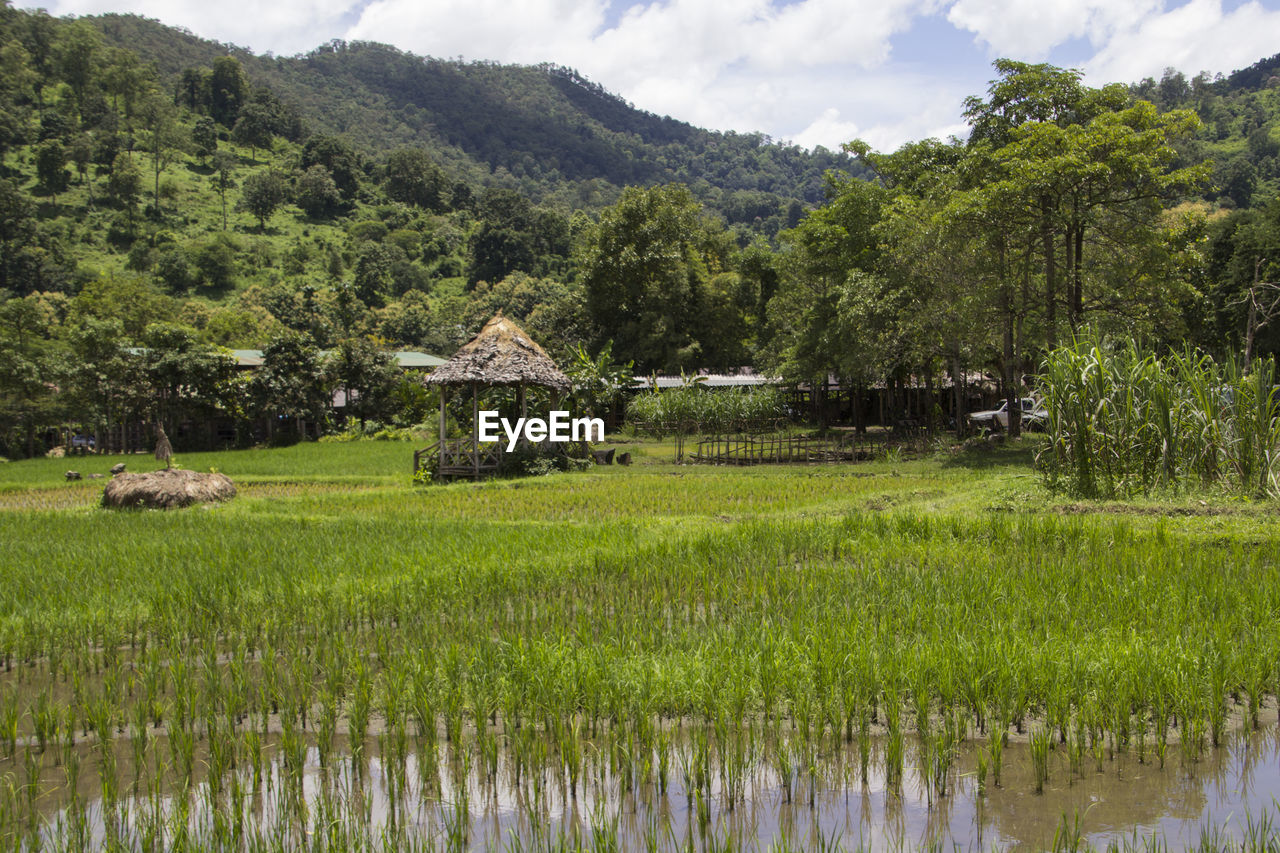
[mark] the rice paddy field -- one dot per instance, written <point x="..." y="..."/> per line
<point x="895" y="654"/>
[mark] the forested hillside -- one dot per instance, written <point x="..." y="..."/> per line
<point x="545" y="130"/>
<point x="164" y="194"/>
<point x="1239" y="135"/>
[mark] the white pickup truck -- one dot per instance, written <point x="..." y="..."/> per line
<point x="1033" y="415"/>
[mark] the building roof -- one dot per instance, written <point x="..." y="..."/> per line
<point x="410" y="360"/>
<point x="247" y="357"/>
<point x="742" y="379"/>
<point x="501" y="354"/>
<point x="405" y="359"/>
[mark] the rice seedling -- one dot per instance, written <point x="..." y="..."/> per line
<point x="996" y="740"/>
<point x="1041" y="743"/>
<point x="649" y="646"/>
<point x="46" y="718"/>
<point x="9" y="715"/>
<point x="894" y="752"/>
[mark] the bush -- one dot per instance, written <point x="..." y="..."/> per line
<point x="374" y="431"/>
<point x="529" y="461"/>
<point x="172" y="268"/>
<point x="695" y="409"/>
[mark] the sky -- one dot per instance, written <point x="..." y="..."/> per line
<point x="811" y="72"/>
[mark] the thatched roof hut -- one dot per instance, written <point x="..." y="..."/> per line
<point x="501" y="354"/>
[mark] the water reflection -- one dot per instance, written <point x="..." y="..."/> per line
<point x="465" y="797"/>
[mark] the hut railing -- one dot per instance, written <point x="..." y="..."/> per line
<point x="425" y="458"/>
<point x="459" y="457"/>
<point x="462" y="457"/>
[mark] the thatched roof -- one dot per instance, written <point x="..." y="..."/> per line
<point x="502" y="354"/>
<point x="172" y="487"/>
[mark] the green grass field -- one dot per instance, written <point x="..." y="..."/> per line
<point x="947" y="599"/>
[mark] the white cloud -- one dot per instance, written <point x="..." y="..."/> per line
<point x="531" y="31"/>
<point x="934" y="114"/>
<point x="282" y="27"/>
<point x="1198" y="36"/>
<point x="827" y="130"/>
<point x="726" y="64"/>
<point x="1029" y="29"/>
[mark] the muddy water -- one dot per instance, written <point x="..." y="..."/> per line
<point x="1108" y="798"/>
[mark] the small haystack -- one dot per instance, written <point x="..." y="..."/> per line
<point x="172" y="487"/>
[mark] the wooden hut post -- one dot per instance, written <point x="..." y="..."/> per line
<point x="444" y="392"/>
<point x="475" y="429"/>
<point x="524" y="409"/>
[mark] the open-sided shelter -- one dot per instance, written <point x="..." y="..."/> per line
<point x="502" y="354"/>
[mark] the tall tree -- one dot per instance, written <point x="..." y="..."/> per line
<point x="368" y="375"/>
<point x="644" y="269"/>
<point x="165" y="137"/>
<point x="413" y="178"/>
<point x="17" y="229"/>
<point x="262" y="195"/>
<point x="223" y="179"/>
<point x="185" y="377"/>
<point x="294" y="381"/>
<point x="125" y="182"/>
<point x="228" y="90"/>
<point x="30" y="371"/>
<point x="77" y="45"/>
<point x="807" y="342"/>
<point x="254" y="128"/>
<point x="51" y="163"/>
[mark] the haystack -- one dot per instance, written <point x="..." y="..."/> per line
<point x="172" y="487"/>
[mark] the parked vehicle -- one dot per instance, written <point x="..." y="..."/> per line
<point x="1033" y="415"/>
<point x="83" y="442"/>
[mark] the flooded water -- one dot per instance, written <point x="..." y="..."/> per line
<point x="753" y="794"/>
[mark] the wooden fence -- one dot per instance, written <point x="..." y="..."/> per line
<point x="776" y="449"/>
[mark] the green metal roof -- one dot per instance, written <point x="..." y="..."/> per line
<point x="409" y="359"/>
<point x="247" y="357"/>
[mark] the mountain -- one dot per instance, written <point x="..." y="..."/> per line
<point x="536" y="128"/>
<point x="1240" y="132"/>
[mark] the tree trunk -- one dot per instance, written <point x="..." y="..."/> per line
<point x="931" y="402"/>
<point x="1011" y="390"/>
<point x="1077" y="289"/>
<point x="1050" y="277"/>
<point x="1251" y="320"/>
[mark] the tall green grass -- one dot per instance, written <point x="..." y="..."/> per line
<point x="1125" y="422"/>
<point x="694" y="408"/>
